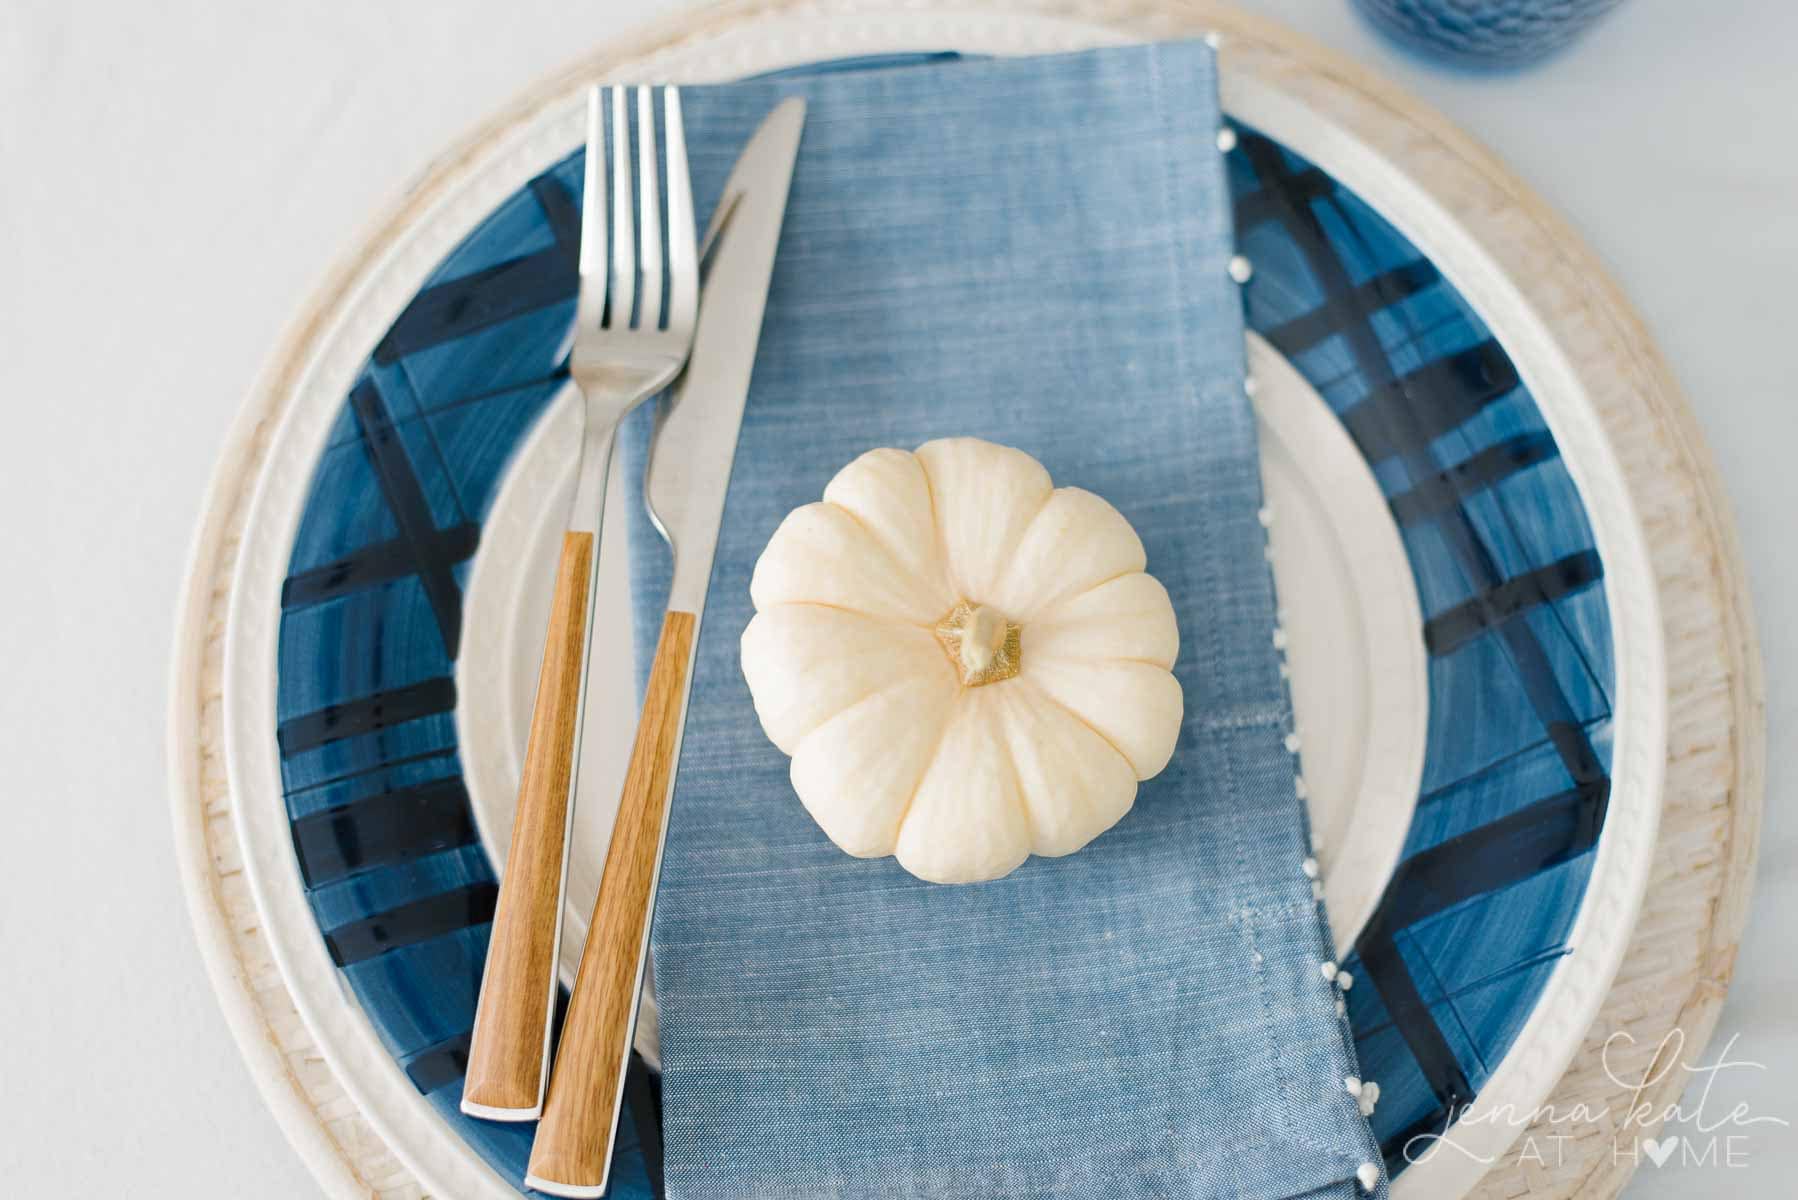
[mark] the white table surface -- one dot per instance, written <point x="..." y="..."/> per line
<point x="174" y="178"/>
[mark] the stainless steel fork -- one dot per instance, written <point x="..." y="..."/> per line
<point x="626" y="348"/>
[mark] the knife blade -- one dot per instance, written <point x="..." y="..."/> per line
<point x="691" y="456"/>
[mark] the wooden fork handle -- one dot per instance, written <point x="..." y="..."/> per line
<point x="508" y="1054"/>
<point x="573" y="1151"/>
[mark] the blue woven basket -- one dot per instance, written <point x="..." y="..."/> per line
<point x="1486" y="33"/>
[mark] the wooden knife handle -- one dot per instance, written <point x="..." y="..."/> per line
<point x="573" y="1149"/>
<point x="508" y="1054"/>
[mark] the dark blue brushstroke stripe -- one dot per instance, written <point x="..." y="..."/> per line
<point x="564" y="219"/>
<point x="334" y="722"/>
<point x="1256" y="207"/>
<point x="1445" y="490"/>
<point x="1385" y="966"/>
<point x="411" y="510"/>
<point x="448" y="311"/>
<point x="1496" y="855"/>
<point x="1382" y="291"/>
<point x="411" y="923"/>
<point x="384" y="829"/>
<point x="1534" y="670"/>
<point x="371" y="768"/>
<point x="1447" y="631"/>
<point x="440" y="1065"/>
<point x="1403" y="415"/>
<point x="372" y="565"/>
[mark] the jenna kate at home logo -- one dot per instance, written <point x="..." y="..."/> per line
<point x="1696" y="1130"/>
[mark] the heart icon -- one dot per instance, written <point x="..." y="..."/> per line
<point x="1658" y="1152"/>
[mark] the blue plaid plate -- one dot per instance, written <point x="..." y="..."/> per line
<point x="1516" y="778"/>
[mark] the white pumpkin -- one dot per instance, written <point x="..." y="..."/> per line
<point x="967" y="664"/>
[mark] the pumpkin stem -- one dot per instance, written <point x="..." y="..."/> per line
<point x="982" y="644"/>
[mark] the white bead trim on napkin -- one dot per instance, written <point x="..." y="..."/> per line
<point x="1365" y="1094"/>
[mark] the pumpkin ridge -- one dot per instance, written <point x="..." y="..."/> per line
<point x="1038" y="619"/>
<point x="936" y="517"/>
<point x="1023" y="530"/>
<point x="1011" y="565"/>
<point x="905" y="584"/>
<point x="954" y="714"/>
<point x="1109" y="658"/>
<point x="927" y="760"/>
<point x="1055" y="620"/>
<point x="885" y="545"/>
<point x="863" y="652"/>
<point x="1046" y="698"/>
<point x="1047" y="616"/>
<point x="936" y="525"/>
<point x="884" y="686"/>
<point x="999" y="734"/>
<point x="877" y="618"/>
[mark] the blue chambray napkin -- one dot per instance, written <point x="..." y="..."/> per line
<point x="1031" y="251"/>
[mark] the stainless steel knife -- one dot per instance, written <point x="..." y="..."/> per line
<point x="689" y="472"/>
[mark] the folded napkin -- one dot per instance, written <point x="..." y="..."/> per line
<point x="1033" y="251"/>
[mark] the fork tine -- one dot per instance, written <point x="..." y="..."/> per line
<point x="624" y="255"/>
<point x="683" y="253"/>
<point x="649" y="222"/>
<point x="593" y="260"/>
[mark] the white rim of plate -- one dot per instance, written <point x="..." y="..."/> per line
<point x="532" y="135"/>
